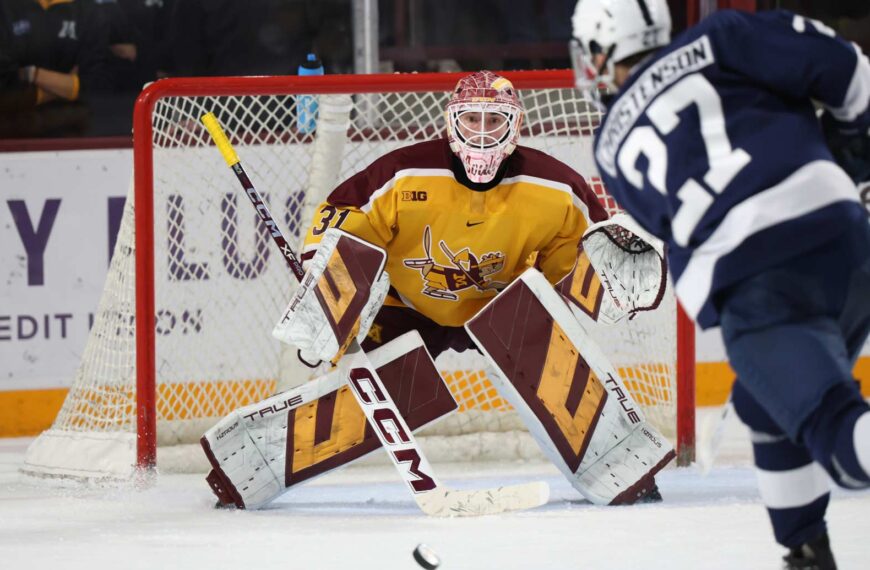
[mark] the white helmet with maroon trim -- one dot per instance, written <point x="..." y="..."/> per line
<point x="484" y="116"/>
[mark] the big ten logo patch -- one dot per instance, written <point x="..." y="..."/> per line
<point x="414" y="196"/>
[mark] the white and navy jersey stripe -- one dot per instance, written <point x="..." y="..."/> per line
<point x="714" y="146"/>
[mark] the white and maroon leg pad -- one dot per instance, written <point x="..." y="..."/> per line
<point x="259" y="451"/>
<point x="567" y="393"/>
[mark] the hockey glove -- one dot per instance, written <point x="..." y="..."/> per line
<point x="630" y="264"/>
<point x="338" y="299"/>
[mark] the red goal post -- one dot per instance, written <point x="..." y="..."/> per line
<point x="141" y="378"/>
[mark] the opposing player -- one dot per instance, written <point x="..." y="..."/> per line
<point x="460" y="218"/>
<point x="712" y="143"/>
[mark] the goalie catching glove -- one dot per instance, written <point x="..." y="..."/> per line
<point x="342" y="291"/>
<point x="630" y="264"/>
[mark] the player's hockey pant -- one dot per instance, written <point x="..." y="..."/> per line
<point x="792" y="334"/>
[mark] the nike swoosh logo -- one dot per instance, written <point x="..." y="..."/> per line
<point x="470" y="225"/>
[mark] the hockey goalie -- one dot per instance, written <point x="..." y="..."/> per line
<point x="429" y="249"/>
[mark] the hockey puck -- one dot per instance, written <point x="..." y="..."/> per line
<point x="426" y="557"/>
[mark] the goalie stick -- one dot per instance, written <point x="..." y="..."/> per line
<point x="380" y="410"/>
<point x="710" y="438"/>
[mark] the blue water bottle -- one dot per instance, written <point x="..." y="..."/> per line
<point x="306" y="105"/>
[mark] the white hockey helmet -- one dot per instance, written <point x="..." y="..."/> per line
<point x="484" y="116"/>
<point x="618" y="29"/>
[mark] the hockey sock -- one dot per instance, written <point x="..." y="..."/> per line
<point x="792" y="486"/>
<point x="794" y="489"/>
<point x="838" y="436"/>
<point x="852" y="451"/>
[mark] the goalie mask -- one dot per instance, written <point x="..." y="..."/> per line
<point x="484" y="116"/>
<point x="609" y="31"/>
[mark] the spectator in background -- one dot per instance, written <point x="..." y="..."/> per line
<point x="295" y="28"/>
<point x="56" y="57"/>
<point x="217" y="37"/>
<point x="135" y="31"/>
<point x="257" y="37"/>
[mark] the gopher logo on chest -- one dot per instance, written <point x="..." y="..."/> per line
<point x="466" y="270"/>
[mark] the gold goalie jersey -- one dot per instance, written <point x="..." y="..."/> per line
<point x="453" y="244"/>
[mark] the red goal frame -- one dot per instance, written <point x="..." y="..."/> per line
<point x="329" y="84"/>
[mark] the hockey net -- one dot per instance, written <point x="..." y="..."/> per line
<point x="182" y="332"/>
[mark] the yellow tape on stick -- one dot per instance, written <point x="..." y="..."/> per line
<point x="220" y="138"/>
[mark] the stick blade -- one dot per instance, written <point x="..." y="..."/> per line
<point x="445" y="502"/>
<point x="710" y="438"/>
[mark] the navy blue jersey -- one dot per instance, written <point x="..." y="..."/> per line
<point x="714" y="146"/>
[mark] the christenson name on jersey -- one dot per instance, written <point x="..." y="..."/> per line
<point x="452" y="244"/>
<point x="714" y="146"/>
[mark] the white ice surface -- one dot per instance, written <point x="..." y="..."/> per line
<point x="362" y="518"/>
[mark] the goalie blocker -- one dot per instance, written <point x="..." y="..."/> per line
<point x="337" y="301"/>
<point x="568" y="394"/>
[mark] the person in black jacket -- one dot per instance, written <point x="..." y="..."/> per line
<point x="55" y="55"/>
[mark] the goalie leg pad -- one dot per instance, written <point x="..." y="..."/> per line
<point x="260" y="451"/>
<point x="567" y="393"/>
<point x="338" y="298"/>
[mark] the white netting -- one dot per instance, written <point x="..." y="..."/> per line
<point x="220" y="283"/>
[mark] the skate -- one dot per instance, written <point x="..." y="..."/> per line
<point x="652" y="496"/>
<point x="812" y="555"/>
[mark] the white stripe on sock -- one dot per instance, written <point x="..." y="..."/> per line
<point x="793" y="487"/>
<point x="861" y="441"/>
